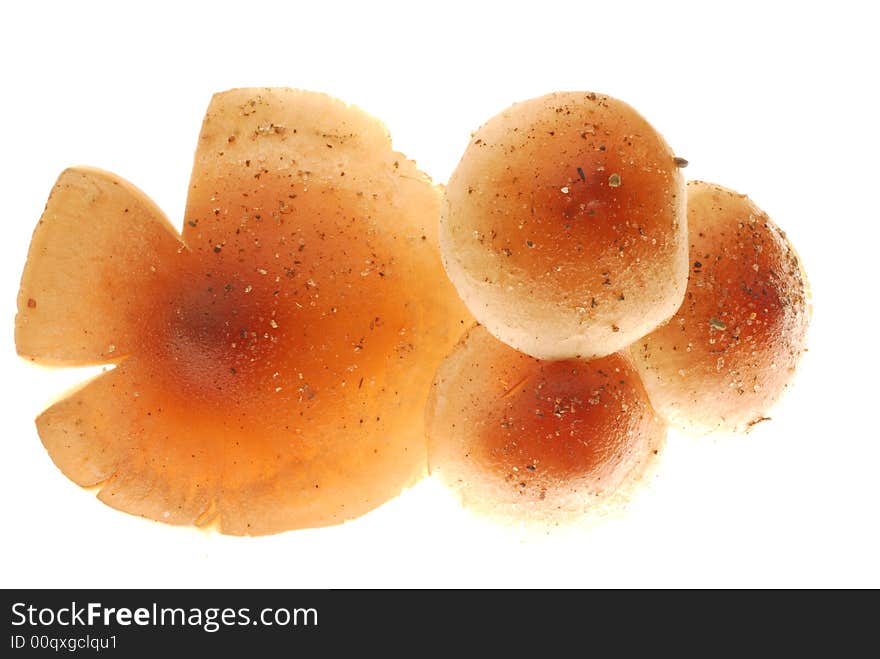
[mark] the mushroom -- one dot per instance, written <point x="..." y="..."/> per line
<point x="563" y="226"/>
<point x="541" y="442"/>
<point x="731" y="349"/>
<point x="272" y="362"/>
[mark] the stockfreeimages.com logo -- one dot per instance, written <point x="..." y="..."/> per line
<point x="209" y="619"/>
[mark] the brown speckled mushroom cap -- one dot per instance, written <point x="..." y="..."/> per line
<point x="539" y="441"/>
<point x="731" y="349"/>
<point x="272" y="361"/>
<point x="563" y="227"/>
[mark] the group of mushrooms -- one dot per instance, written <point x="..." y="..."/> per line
<point x="330" y="325"/>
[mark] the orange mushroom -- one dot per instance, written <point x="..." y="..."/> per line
<point x="538" y="441"/>
<point x="273" y="361"/>
<point x="563" y="227"/>
<point x="731" y="349"/>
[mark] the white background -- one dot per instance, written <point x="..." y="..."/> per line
<point x="777" y="100"/>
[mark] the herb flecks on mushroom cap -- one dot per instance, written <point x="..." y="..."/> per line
<point x="273" y="360"/>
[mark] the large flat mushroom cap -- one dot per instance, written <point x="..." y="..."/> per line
<point x="276" y="360"/>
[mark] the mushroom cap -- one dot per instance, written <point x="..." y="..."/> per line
<point x="731" y="349"/>
<point x="563" y="227"/>
<point x="273" y="361"/>
<point x="535" y="441"/>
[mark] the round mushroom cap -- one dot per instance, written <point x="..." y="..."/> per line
<point x="731" y="349"/>
<point x="563" y="227"/>
<point x="535" y="441"/>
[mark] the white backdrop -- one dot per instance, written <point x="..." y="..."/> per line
<point x="776" y="100"/>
